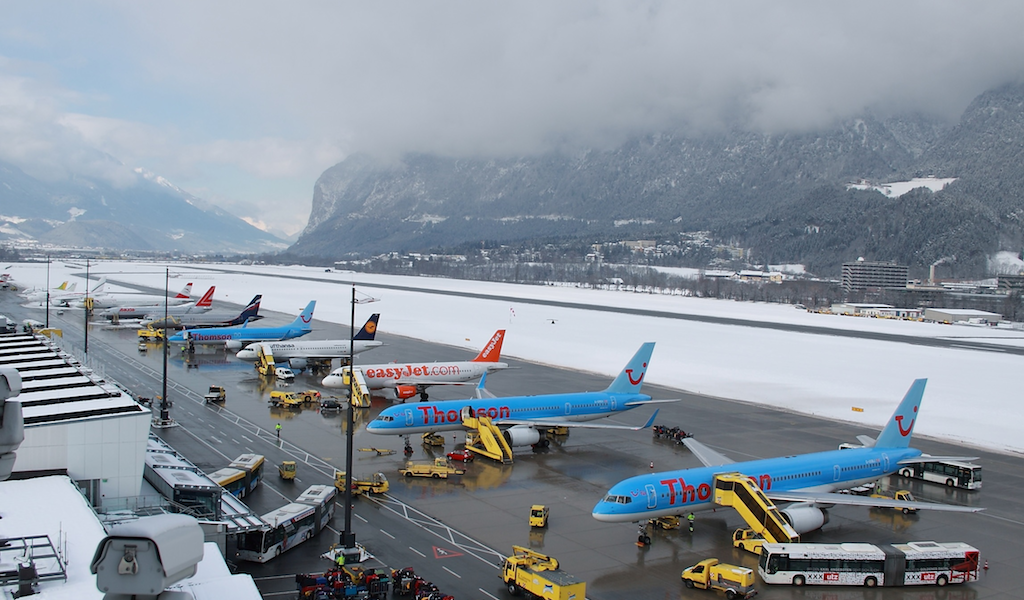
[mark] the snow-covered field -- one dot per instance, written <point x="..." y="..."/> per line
<point x="973" y="397"/>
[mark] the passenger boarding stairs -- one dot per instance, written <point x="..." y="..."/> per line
<point x="360" y="392"/>
<point x="760" y="513"/>
<point x="485" y="438"/>
<point x="265" y="360"/>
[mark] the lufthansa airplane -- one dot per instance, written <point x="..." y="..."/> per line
<point x="809" y="481"/>
<point x="298" y="354"/>
<point x="521" y="416"/>
<point x="234" y="337"/>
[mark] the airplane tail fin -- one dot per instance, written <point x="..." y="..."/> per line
<point x="369" y="329"/>
<point x="62" y="286"/>
<point x="207" y="300"/>
<point x="253" y="308"/>
<point x="102" y="283"/>
<point x="186" y="292"/>
<point x="71" y="287"/>
<point x="492" y="350"/>
<point x="897" y="432"/>
<point x="306" y="317"/>
<point x="631" y="378"/>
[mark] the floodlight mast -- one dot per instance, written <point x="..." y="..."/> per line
<point x="348" y="537"/>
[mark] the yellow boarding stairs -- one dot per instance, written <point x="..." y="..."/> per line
<point x="360" y="392"/>
<point x="760" y="513"/>
<point x="485" y="438"/>
<point x="265" y="360"/>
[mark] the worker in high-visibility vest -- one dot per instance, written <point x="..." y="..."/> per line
<point x="689" y="521"/>
<point x="278" y="429"/>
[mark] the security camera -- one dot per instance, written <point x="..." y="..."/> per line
<point x="10" y="383"/>
<point x="143" y="557"/>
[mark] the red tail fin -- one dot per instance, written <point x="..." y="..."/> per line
<point x="492" y="351"/>
<point x="186" y="292"/>
<point x="207" y="299"/>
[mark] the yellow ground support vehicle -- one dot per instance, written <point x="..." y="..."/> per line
<point x="539" y="575"/>
<point x="441" y="468"/>
<point x="736" y="582"/>
<point x="747" y="539"/>
<point x="150" y="334"/>
<point x="539" y="515"/>
<point x="215" y="394"/>
<point x="903" y="495"/>
<point x="374" y="484"/>
<point x="290" y="399"/>
<point x="287" y="470"/>
<point x="666" y="523"/>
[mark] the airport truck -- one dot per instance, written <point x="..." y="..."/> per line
<point x="903" y="495"/>
<point x="215" y="394"/>
<point x="441" y="468"/>
<point x="376" y="483"/>
<point x="736" y="582"/>
<point x="539" y="575"/>
<point x="280" y="398"/>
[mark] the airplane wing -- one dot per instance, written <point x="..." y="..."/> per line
<point x="925" y="458"/>
<point x="855" y="500"/>
<point x="867" y="440"/>
<point x="709" y="457"/>
<point x="578" y="424"/>
<point x="642" y="402"/>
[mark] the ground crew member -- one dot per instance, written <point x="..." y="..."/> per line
<point x="689" y="521"/>
<point x="340" y="559"/>
<point x="278" y="429"/>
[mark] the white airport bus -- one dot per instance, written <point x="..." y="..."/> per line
<point x="913" y="563"/>
<point x="950" y="473"/>
<point x="289" y="525"/>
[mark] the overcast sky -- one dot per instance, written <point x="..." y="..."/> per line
<point x="246" y="103"/>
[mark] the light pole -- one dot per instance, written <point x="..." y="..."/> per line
<point x="165" y="412"/>
<point x="348" y="537"/>
<point x="47" y="291"/>
<point x="87" y="306"/>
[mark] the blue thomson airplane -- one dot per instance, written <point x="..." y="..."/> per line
<point x="522" y="417"/>
<point x="233" y="338"/>
<point x="809" y="481"/>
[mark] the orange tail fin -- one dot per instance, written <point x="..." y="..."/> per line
<point x="492" y="351"/>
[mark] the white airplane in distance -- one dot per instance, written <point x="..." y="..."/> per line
<point x="108" y="300"/>
<point x="411" y="379"/>
<point x="133" y="311"/>
<point x="298" y="354"/>
<point x="39" y="295"/>
<point x="68" y="297"/>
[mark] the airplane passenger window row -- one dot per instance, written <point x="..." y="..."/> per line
<point x="798" y="476"/>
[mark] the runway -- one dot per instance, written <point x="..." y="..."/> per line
<point x="464" y="526"/>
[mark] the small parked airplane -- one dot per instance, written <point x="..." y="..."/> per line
<point x="808" y="480"/>
<point x="142" y="311"/>
<point x="522" y="416"/>
<point x="213" y="318"/>
<point x="298" y="354"/>
<point x="108" y="300"/>
<point x="233" y="337"/>
<point x="410" y="379"/>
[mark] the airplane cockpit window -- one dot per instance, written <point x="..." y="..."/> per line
<point x="385" y="418"/>
<point x="613" y="499"/>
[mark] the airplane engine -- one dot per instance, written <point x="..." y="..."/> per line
<point x="805" y="517"/>
<point x="405" y="392"/>
<point x="298" y="364"/>
<point x="233" y="345"/>
<point x="522" y="435"/>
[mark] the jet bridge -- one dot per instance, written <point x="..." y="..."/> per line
<point x="760" y="513"/>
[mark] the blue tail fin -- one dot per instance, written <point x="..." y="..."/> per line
<point x="897" y="432"/>
<point x="631" y="378"/>
<point x="306" y="317"/>
<point x="369" y="328"/>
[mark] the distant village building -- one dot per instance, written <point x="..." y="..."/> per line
<point x="961" y="315"/>
<point x="862" y="275"/>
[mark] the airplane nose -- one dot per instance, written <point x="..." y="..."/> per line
<point x="331" y="381"/>
<point x="245" y="354"/>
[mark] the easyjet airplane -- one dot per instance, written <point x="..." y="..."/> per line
<point x="411" y="379"/>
